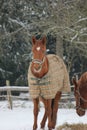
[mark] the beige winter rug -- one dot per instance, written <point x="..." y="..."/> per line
<point x="57" y="79"/>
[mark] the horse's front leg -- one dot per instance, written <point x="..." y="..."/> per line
<point x="55" y="108"/>
<point x="43" y="122"/>
<point x="49" y="113"/>
<point x="35" y="111"/>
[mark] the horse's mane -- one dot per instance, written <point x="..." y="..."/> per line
<point x="84" y="77"/>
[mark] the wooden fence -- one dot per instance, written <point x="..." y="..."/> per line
<point x="25" y="94"/>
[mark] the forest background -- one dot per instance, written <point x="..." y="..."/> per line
<point x="64" y="22"/>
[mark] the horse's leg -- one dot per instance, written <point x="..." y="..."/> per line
<point x="49" y="113"/>
<point x="36" y="102"/>
<point x="55" y="108"/>
<point x="45" y="113"/>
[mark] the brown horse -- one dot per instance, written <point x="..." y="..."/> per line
<point x="80" y="92"/>
<point x="47" y="78"/>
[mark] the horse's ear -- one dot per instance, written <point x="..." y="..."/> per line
<point x="74" y="82"/>
<point x="44" y="40"/>
<point x="33" y="39"/>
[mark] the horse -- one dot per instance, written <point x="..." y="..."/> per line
<point x="47" y="78"/>
<point x="80" y="92"/>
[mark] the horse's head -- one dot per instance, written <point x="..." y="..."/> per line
<point x="38" y="48"/>
<point x="39" y="58"/>
<point x="79" y="100"/>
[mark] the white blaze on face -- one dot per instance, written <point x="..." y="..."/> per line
<point x="38" y="48"/>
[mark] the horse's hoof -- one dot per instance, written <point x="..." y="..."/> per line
<point x="34" y="127"/>
<point x="42" y="126"/>
<point x="53" y="125"/>
<point x="50" y="128"/>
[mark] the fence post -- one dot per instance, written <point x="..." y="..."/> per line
<point x="9" y="97"/>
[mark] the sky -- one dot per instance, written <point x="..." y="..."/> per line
<point x="21" y="116"/>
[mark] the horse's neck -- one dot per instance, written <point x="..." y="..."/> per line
<point x="82" y="88"/>
<point x="43" y="71"/>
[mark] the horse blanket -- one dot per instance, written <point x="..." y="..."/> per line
<point x="57" y="79"/>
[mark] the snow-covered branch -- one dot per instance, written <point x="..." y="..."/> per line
<point x="82" y="19"/>
<point x="18" y="22"/>
<point x="83" y="29"/>
<point x="4" y="71"/>
<point x="74" y="37"/>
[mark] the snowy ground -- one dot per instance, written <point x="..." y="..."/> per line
<point x="21" y="117"/>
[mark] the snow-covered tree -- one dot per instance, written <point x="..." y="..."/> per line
<point x="65" y="20"/>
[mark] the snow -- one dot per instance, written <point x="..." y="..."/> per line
<point x="21" y="116"/>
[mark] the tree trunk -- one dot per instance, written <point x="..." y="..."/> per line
<point x="59" y="46"/>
